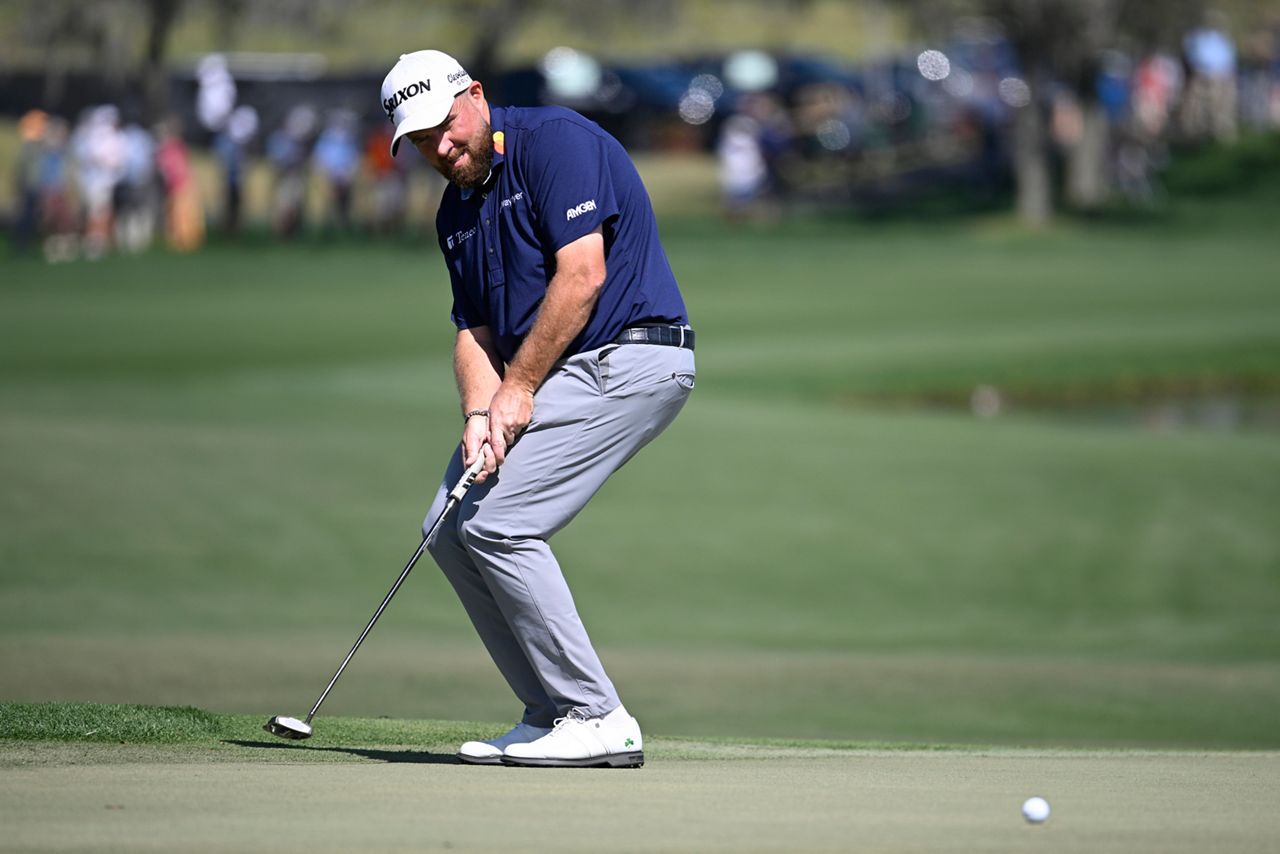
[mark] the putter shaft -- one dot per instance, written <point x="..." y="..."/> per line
<point x="378" y="613"/>
<point x="455" y="498"/>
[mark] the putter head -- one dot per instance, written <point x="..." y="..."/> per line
<point x="288" y="728"/>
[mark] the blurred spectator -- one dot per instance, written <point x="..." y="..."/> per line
<point x="743" y="176"/>
<point x="215" y="93"/>
<point x="1157" y="85"/>
<point x="229" y="146"/>
<point x="1113" y="86"/>
<point x="991" y="114"/>
<point x="59" y="220"/>
<point x="1126" y="162"/>
<point x="1259" y="89"/>
<point x="1133" y="169"/>
<point x="390" y="181"/>
<point x="1210" y="107"/>
<point x="99" y="152"/>
<point x="777" y="137"/>
<point x="184" y="216"/>
<point x="1066" y="117"/>
<point x="337" y="158"/>
<point x="31" y="136"/>
<point x="287" y="153"/>
<point x="751" y="149"/>
<point x="135" y="197"/>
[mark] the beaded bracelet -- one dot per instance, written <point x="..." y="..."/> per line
<point x="467" y="416"/>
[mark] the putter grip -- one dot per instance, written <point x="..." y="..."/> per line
<point x="468" y="478"/>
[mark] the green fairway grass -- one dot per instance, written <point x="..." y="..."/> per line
<point x="212" y="467"/>
<point x="163" y="779"/>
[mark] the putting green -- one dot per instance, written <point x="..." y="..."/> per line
<point x="690" y="797"/>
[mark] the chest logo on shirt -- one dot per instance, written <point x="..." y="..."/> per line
<point x="585" y="207"/>
<point x="506" y="203"/>
<point x="454" y="239"/>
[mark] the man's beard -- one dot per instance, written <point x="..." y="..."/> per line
<point x="479" y="151"/>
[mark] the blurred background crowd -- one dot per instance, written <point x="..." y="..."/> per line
<point x="1035" y="105"/>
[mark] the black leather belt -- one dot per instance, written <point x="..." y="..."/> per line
<point x="666" y="336"/>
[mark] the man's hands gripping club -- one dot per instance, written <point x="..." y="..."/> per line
<point x="510" y="411"/>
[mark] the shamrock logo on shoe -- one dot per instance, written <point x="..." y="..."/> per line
<point x="628" y="743"/>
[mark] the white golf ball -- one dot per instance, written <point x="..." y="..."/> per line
<point x="1035" y="810"/>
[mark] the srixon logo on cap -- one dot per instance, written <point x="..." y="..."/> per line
<point x="403" y="95"/>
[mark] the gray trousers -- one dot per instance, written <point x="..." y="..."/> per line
<point x="591" y="415"/>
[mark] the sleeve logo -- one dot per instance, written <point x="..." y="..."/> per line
<point x="585" y="207"/>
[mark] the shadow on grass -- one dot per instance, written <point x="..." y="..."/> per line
<point x="419" y="757"/>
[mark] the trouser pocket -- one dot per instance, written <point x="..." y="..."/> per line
<point x="637" y="368"/>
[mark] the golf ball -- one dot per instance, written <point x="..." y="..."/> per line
<point x="1035" y="810"/>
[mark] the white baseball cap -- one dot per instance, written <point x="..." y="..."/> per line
<point x="419" y="91"/>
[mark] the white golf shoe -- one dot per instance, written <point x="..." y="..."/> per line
<point x="579" y="742"/>
<point x="490" y="752"/>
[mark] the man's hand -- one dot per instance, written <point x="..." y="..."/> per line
<point x="510" y="412"/>
<point x="474" y="438"/>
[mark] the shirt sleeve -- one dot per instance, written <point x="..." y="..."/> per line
<point x="567" y="170"/>
<point x="465" y="314"/>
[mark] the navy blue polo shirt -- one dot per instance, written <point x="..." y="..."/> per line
<point x="556" y="177"/>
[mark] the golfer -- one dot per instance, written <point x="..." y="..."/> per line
<point x="573" y="352"/>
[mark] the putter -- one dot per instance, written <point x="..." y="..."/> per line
<point x="292" y="728"/>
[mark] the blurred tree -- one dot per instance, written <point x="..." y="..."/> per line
<point x="160" y="17"/>
<point x="67" y="34"/>
<point x="1124" y="31"/>
<point x="494" y="22"/>
<point x="129" y="40"/>
<point x="104" y="36"/>
<point x="1062" y="42"/>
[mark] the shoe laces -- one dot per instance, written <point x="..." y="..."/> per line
<point x="575" y="715"/>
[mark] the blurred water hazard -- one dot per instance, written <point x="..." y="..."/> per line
<point x="1218" y="413"/>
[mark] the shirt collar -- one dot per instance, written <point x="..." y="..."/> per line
<point x="497" y="117"/>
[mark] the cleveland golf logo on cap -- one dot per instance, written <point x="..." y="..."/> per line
<point x="405" y="94"/>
